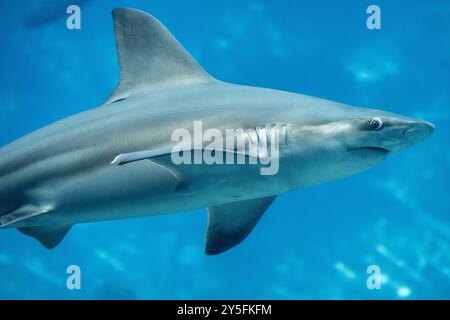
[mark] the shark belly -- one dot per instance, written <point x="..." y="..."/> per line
<point x="142" y="189"/>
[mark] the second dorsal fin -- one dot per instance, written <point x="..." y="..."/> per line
<point x="149" y="55"/>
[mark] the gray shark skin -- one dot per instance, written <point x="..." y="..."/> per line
<point x="65" y="173"/>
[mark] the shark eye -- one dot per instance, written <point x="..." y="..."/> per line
<point x="376" y="123"/>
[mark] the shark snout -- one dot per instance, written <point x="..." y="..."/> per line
<point x="411" y="133"/>
<point x="418" y="130"/>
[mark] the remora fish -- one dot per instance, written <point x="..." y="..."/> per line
<point x="112" y="161"/>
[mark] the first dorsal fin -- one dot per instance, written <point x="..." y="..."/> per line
<point x="149" y="54"/>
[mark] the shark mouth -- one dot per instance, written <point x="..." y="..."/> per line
<point x="370" y="149"/>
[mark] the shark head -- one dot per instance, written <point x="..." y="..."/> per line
<point x="381" y="132"/>
<point x="344" y="140"/>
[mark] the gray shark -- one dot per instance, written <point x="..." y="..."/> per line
<point x="113" y="161"/>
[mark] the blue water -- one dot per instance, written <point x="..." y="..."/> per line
<point x="311" y="243"/>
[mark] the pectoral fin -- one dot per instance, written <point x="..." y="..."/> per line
<point x="231" y="223"/>
<point x="48" y="236"/>
<point x="189" y="182"/>
<point x="23" y="213"/>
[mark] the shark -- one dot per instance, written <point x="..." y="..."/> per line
<point x="115" y="161"/>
